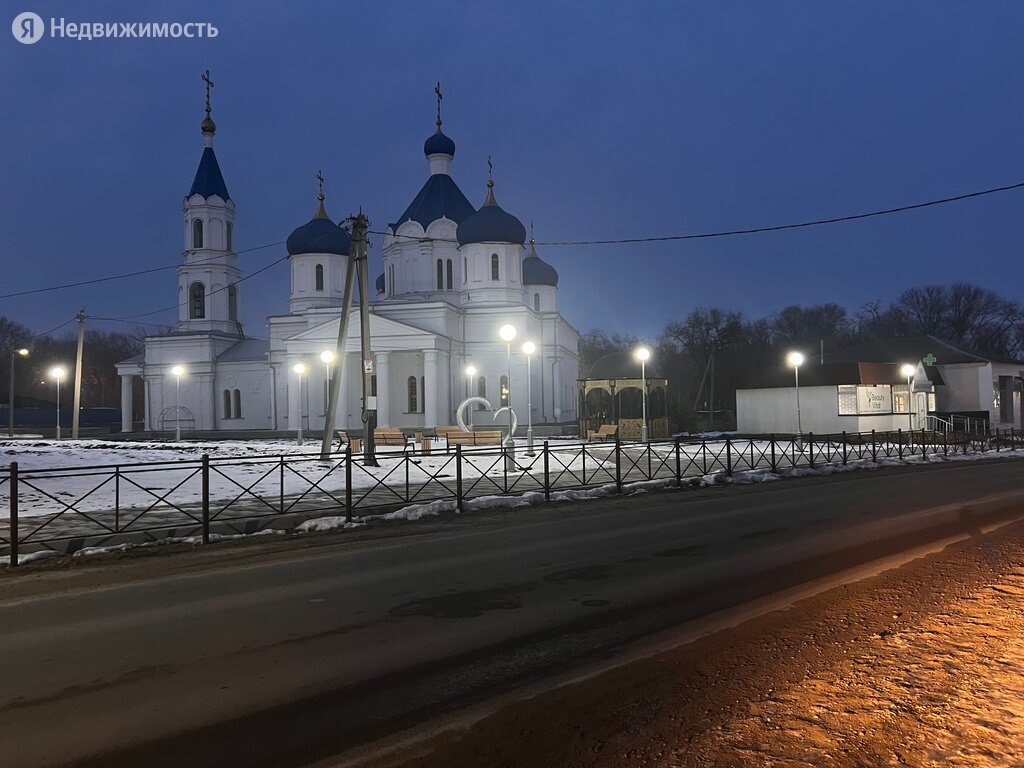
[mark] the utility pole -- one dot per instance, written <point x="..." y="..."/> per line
<point x="339" y="355"/>
<point x="78" y="374"/>
<point x="369" y="414"/>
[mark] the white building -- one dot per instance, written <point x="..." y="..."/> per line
<point x="861" y="388"/>
<point x="453" y="275"/>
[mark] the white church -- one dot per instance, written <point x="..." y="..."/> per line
<point x="453" y="275"/>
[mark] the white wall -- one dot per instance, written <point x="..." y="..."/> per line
<point x="773" y="411"/>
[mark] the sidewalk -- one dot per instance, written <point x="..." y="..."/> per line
<point x="921" y="666"/>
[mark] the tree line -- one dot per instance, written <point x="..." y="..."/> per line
<point x="966" y="315"/>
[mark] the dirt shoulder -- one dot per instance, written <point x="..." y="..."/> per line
<point x="920" y="665"/>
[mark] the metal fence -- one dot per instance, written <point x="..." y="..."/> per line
<point x="93" y="505"/>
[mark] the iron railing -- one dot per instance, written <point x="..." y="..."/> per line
<point x="98" y="504"/>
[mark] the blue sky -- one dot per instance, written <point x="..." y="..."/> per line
<point x="605" y="120"/>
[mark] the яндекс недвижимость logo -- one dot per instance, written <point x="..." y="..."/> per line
<point x="28" y="27"/>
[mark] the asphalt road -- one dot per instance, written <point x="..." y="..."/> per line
<point x="286" y="660"/>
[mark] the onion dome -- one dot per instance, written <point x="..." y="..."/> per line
<point x="536" y="271"/>
<point x="491" y="224"/>
<point x="380" y="283"/>
<point x="318" y="235"/>
<point x="439" y="144"/>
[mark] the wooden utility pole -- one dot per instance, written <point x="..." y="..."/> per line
<point x="339" y="355"/>
<point x="369" y="410"/>
<point x="78" y="375"/>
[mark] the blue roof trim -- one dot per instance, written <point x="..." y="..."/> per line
<point x="439" y="198"/>
<point x="209" y="181"/>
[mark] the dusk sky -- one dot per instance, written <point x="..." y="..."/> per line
<point x="604" y="120"/>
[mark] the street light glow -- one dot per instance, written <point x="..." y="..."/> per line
<point x="908" y="370"/>
<point x="643" y="354"/>
<point x="795" y="359"/>
<point x="299" y="368"/>
<point x="23" y="352"/>
<point x="57" y="373"/>
<point x="507" y="333"/>
<point x="178" y="370"/>
<point x="529" y="348"/>
<point x="327" y="356"/>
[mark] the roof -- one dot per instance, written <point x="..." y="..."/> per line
<point x="536" y="271"/>
<point x="621" y="365"/>
<point x="439" y="198"/>
<point x="246" y="350"/>
<point x="439" y="144"/>
<point x="491" y="224"/>
<point x="209" y="181"/>
<point x="318" y="235"/>
<point x="909" y="349"/>
<point x="834" y="373"/>
<point x="138" y="359"/>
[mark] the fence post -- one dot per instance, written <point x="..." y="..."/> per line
<point x="874" y="447"/>
<point x="348" y="481"/>
<point x="458" y="477"/>
<point x="618" y="464"/>
<point x="206" y="498"/>
<point x="844" y="448"/>
<point x="996" y="440"/>
<point x="810" y="448"/>
<point x="899" y="443"/>
<point x="547" y="473"/>
<point x="679" y="466"/>
<point x="924" y="445"/>
<point x="117" y="499"/>
<point x="728" y="457"/>
<point x="1013" y="440"/>
<point x="772" y="443"/>
<point x="14" y="514"/>
<point x="281" y="482"/>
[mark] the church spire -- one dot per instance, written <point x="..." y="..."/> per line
<point x="490" y="183"/>
<point x="208" y="126"/>
<point x="321" y="212"/>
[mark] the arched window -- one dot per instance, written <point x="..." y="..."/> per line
<point x="236" y="404"/>
<point x="495" y="271"/>
<point x="197" y="301"/>
<point x="232" y="303"/>
<point x="229" y="242"/>
<point x="465" y="270"/>
<point x="391" y="283"/>
<point x="504" y="391"/>
<point x="536" y="302"/>
<point x="319" y="277"/>
<point x="448" y="274"/>
<point x="227" y="403"/>
<point x="440" y="275"/>
<point x="423" y="394"/>
<point x="197" y="233"/>
<point x="413" y="404"/>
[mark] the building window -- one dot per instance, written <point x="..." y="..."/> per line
<point x="495" y="270"/>
<point x="423" y="399"/>
<point x="413" y="404"/>
<point x="236" y="404"/>
<point x="197" y="301"/>
<point x="448" y="274"/>
<point x="465" y="270"/>
<point x="440" y="275"/>
<point x="232" y="303"/>
<point x="230" y="241"/>
<point x="391" y="283"/>
<point x="536" y="302"/>
<point x="504" y="391"/>
<point x="227" y="403"/>
<point x="197" y="233"/>
<point x="900" y="398"/>
<point x="319" y="277"/>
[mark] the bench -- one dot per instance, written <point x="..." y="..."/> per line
<point x="444" y="431"/>
<point x="392" y="436"/>
<point x="605" y="432"/>
<point x="344" y="439"/>
<point x="483" y="437"/>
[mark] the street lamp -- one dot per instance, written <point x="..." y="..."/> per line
<point x="57" y="374"/>
<point x="178" y="371"/>
<point x="909" y="370"/>
<point x="796" y="360"/>
<point x="10" y="393"/>
<point x="643" y="354"/>
<point x="508" y="335"/>
<point x="528" y="349"/>
<point x="299" y="368"/>
<point x="327" y="357"/>
<point x="470" y="373"/>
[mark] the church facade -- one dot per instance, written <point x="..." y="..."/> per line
<point x="453" y="276"/>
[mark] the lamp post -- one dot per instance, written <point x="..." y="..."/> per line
<point x="10" y="393"/>
<point x="796" y="360"/>
<point x="178" y="371"/>
<point x="300" y="369"/>
<point x="57" y="374"/>
<point x="327" y="357"/>
<point x="528" y="349"/>
<point x="508" y="335"/>
<point x="909" y="370"/>
<point x="470" y="373"/>
<point x="643" y="354"/>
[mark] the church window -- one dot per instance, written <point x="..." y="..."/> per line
<point x="197" y="233"/>
<point x="391" y="283"/>
<point x="465" y="270"/>
<point x="504" y="391"/>
<point x="319" y="277"/>
<point x="423" y="390"/>
<point x="230" y="242"/>
<point x="440" y="275"/>
<point x="236" y="404"/>
<point x="448" y="274"/>
<point x="495" y="272"/>
<point x="227" y="403"/>
<point x="413" y="399"/>
<point x="232" y="303"/>
<point x="536" y="302"/>
<point x="197" y="301"/>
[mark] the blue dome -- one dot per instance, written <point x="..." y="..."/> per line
<point x="380" y="283"/>
<point x="491" y="225"/>
<point x="318" y="235"/>
<point x="438" y="144"/>
<point x="536" y="271"/>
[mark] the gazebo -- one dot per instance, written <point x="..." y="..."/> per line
<point x="611" y="394"/>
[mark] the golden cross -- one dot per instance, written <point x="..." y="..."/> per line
<point x="209" y="85"/>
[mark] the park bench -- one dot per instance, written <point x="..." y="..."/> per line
<point x="392" y="436"/>
<point x="604" y="432"/>
<point x="483" y="437"/>
<point x="344" y="439"/>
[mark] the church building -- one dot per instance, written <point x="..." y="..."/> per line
<point x="453" y="276"/>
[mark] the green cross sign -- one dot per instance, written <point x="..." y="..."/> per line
<point x="929" y="359"/>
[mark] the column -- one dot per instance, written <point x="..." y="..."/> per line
<point x="126" y="403"/>
<point x="430" y="388"/>
<point x="444" y="381"/>
<point x="383" y="389"/>
<point x="293" y="397"/>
